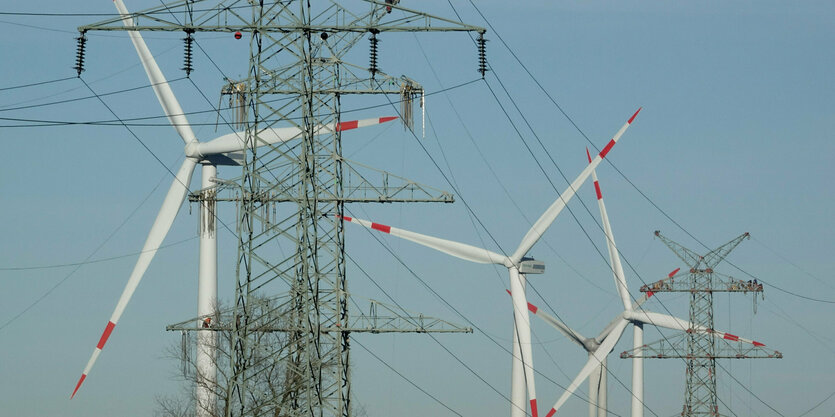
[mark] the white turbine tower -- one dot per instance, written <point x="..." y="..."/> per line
<point x="209" y="155"/>
<point x="599" y="347"/>
<point x="517" y="265"/>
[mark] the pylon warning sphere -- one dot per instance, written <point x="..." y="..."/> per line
<point x="238" y="35"/>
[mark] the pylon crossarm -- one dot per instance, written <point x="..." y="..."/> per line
<point x="202" y="16"/>
<point x="363" y="184"/>
<point x="379" y="318"/>
<point x="388" y="188"/>
<point x="716" y="256"/>
<point x="728" y="346"/>
<point x="721" y="283"/>
<point x="690" y="258"/>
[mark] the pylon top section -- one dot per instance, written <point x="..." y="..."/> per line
<point x="232" y="16"/>
<point x="707" y="262"/>
<point x="676" y="281"/>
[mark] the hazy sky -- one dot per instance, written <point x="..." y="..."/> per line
<point x="735" y="136"/>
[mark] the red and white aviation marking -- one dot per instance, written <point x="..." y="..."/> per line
<point x="209" y="154"/>
<point x="523" y="371"/>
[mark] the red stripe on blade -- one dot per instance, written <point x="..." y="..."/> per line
<point x="731" y="337"/>
<point x="634" y="115"/>
<point x="106" y="334"/>
<point x="387" y="119"/>
<point x="78" y="385"/>
<point x="756" y="343"/>
<point x="670" y="275"/>
<point x="607" y="148"/>
<point x="381" y="227"/>
<point x="347" y="125"/>
<point x="533" y="308"/>
<point x="551" y="413"/>
<point x="588" y="154"/>
<point x="534" y="413"/>
<point x="650" y="294"/>
<point x="346" y="218"/>
<point x="597" y="190"/>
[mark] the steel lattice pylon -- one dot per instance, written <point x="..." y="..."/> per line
<point x="291" y="195"/>
<point x="700" y="346"/>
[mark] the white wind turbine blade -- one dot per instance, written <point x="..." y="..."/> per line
<point x="459" y="250"/>
<point x="544" y="221"/>
<point x="556" y="323"/>
<point x="167" y="213"/>
<point x="158" y="82"/>
<point x="592" y="364"/>
<point x="660" y="320"/>
<point x="675" y="323"/>
<point x="234" y="142"/>
<point x="614" y="256"/>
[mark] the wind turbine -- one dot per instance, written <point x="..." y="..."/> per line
<point x="599" y="347"/>
<point x="597" y="405"/>
<point x="518" y="265"/>
<point x="209" y="154"/>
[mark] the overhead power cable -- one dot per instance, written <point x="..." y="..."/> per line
<point x="794" y="264"/>
<point x="39" y="28"/>
<point x="78" y="265"/>
<point x="116" y="15"/>
<point x="135" y="136"/>
<point x="15" y="87"/>
<point x="92" y="261"/>
<point x="405" y="378"/>
<point x="818" y="404"/>
<point x="71" y="100"/>
<point x="30" y="123"/>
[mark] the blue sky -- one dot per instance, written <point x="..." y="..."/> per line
<point x="735" y="136"/>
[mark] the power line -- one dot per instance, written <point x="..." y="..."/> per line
<point x="71" y="100"/>
<point x="817" y="405"/>
<point x="125" y="121"/>
<point x="117" y="15"/>
<point x="405" y="378"/>
<point x="92" y="261"/>
<point x="80" y="264"/>
<point x="38" y="27"/>
<point x="15" y="87"/>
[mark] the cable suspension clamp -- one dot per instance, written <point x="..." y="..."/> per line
<point x="482" y="54"/>
<point x="373" y="55"/>
<point x="79" y="53"/>
<point x="188" y="40"/>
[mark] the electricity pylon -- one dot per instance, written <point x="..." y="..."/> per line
<point x="701" y="345"/>
<point x="291" y="195"/>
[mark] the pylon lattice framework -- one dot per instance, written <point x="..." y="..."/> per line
<point x="700" y="348"/>
<point x="289" y="194"/>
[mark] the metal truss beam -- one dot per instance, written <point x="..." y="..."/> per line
<point x="380" y="318"/>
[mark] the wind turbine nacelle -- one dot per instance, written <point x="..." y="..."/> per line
<point x="531" y="266"/>
<point x="225" y="159"/>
